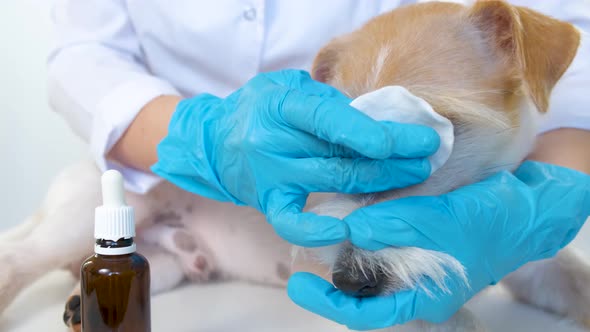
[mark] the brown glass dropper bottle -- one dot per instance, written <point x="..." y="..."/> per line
<point x="115" y="280"/>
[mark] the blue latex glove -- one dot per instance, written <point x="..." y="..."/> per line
<point x="492" y="228"/>
<point x="282" y="136"/>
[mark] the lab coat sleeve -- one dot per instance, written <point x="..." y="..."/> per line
<point x="97" y="77"/>
<point x="570" y="101"/>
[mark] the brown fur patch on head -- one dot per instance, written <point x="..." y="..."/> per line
<point x="430" y="49"/>
<point x="539" y="47"/>
<point x="491" y="55"/>
<point x="323" y="68"/>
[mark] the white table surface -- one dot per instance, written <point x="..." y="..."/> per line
<point x="229" y="307"/>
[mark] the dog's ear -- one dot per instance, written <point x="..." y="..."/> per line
<point x="325" y="62"/>
<point x="541" y="47"/>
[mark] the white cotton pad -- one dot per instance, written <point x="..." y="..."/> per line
<point x="396" y="104"/>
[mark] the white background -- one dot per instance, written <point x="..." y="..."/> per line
<point x="35" y="143"/>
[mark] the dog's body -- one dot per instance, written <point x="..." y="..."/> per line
<point x="473" y="65"/>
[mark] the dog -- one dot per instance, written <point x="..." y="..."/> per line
<point x="489" y="68"/>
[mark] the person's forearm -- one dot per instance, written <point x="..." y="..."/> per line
<point x="564" y="147"/>
<point x="137" y="147"/>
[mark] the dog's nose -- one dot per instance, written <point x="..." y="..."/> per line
<point x="362" y="285"/>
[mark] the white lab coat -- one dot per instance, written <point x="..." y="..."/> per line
<point x="113" y="56"/>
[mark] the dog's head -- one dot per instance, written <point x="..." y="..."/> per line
<point x="489" y="68"/>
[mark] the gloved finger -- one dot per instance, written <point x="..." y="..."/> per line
<point x="309" y="230"/>
<point x="303" y="228"/>
<point x="309" y="146"/>
<point x="302" y="81"/>
<point x="408" y="222"/>
<point x="552" y="238"/>
<point x="574" y="188"/>
<point x="367" y="313"/>
<point x="430" y="303"/>
<point x="358" y="175"/>
<point x="340" y="123"/>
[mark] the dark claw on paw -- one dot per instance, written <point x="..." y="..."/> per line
<point x="71" y="314"/>
<point x="76" y="318"/>
<point x="73" y="303"/>
<point x="66" y="317"/>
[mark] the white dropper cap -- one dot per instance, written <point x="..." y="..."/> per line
<point x="114" y="220"/>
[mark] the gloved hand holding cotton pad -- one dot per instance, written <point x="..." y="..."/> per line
<point x="396" y="104"/>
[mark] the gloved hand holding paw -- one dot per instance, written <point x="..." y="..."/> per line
<point x="492" y="228"/>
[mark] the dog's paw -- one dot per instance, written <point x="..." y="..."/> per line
<point x="558" y="285"/>
<point x="368" y="273"/>
<point x="5" y="297"/>
<point x="71" y="316"/>
<point x="196" y="261"/>
<point x="195" y="258"/>
<point x="407" y="268"/>
<point x="10" y="283"/>
<point x="198" y="267"/>
<point x="462" y="321"/>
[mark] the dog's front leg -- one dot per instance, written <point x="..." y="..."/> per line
<point x="462" y="321"/>
<point x="61" y="235"/>
<point x="560" y="285"/>
<point x="21" y="230"/>
<point x="46" y="249"/>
